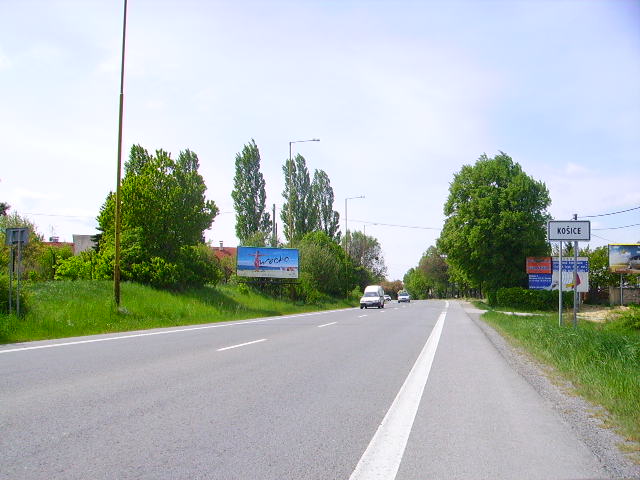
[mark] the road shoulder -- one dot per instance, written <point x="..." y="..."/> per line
<point x="582" y="417"/>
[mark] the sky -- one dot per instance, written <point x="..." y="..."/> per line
<point x="401" y="94"/>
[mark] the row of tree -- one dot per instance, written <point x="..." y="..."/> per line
<point x="307" y="209"/>
<point x="496" y="217"/>
<point x="308" y="202"/>
<point x="164" y="215"/>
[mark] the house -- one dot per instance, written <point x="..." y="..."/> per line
<point x="222" y="252"/>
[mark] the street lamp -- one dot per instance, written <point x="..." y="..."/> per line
<point x="346" y="228"/>
<point x="291" y="229"/>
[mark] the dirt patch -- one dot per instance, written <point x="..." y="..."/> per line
<point x="600" y="314"/>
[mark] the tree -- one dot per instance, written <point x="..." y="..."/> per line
<point x="436" y="271"/>
<point x="164" y="216"/>
<point x="365" y="251"/>
<point x="328" y="218"/>
<point x="30" y="252"/>
<point x="3" y="208"/>
<point x="249" y="195"/>
<point x="392" y="288"/>
<point x="495" y="217"/>
<point x="299" y="213"/>
<point x="325" y="265"/>
<point x="416" y="283"/>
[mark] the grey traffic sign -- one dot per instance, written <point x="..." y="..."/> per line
<point x="569" y="230"/>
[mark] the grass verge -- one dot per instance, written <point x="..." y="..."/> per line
<point x="601" y="360"/>
<point x="75" y="308"/>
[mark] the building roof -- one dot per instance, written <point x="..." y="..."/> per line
<point x="222" y="252"/>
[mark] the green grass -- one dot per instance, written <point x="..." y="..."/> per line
<point x="601" y="360"/>
<point x="75" y="308"/>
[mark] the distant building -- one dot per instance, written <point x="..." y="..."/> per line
<point x="81" y="243"/>
<point x="222" y="251"/>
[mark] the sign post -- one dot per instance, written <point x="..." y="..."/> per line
<point x="13" y="237"/>
<point x="570" y="231"/>
<point x="560" y="323"/>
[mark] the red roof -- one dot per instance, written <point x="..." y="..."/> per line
<point x="224" y="252"/>
<point x="58" y="244"/>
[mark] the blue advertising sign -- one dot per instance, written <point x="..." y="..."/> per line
<point x="552" y="281"/>
<point x="540" y="281"/>
<point x="266" y="262"/>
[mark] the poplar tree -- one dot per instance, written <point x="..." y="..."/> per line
<point x="328" y="218"/>
<point x="249" y="196"/>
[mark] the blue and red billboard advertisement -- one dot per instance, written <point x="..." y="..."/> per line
<point x="267" y="262"/>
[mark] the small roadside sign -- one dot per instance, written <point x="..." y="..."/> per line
<point x="16" y="236"/>
<point x="569" y="230"/>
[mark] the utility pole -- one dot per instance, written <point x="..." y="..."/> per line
<point x="118" y="219"/>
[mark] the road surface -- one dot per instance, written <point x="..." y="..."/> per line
<point x="411" y="391"/>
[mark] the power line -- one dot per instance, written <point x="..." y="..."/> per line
<point x="57" y="215"/>
<point x="601" y="238"/>
<point x="612" y="213"/>
<point x="616" y="228"/>
<point x="394" y="225"/>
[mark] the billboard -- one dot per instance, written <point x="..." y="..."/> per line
<point x="266" y="262"/>
<point x="624" y="258"/>
<point x="550" y="281"/>
<point x="538" y="265"/>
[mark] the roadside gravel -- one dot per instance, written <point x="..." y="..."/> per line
<point x="583" y="417"/>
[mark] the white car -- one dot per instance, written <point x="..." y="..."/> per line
<point x="387" y="298"/>
<point x="404" y="297"/>
<point x="373" y="297"/>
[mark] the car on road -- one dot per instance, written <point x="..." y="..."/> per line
<point x="373" y="297"/>
<point x="387" y="298"/>
<point x="404" y="297"/>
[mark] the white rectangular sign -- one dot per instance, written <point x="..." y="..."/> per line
<point x="569" y="230"/>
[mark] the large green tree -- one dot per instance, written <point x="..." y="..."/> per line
<point x="164" y="216"/>
<point x="299" y="213"/>
<point x="495" y="217"/>
<point x="249" y="195"/>
<point x="328" y="218"/>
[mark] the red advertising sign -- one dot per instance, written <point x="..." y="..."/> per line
<point x="538" y="264"/>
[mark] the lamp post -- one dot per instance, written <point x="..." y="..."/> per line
<point x="346" y="228"/>
<point x="116" y="267"/>
<point x="291" y="228"/>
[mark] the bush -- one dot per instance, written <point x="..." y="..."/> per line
<point x="521" y="298"/>
<point x="631" y="318"/>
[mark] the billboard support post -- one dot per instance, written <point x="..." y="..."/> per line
<point x="560" y="286"/>
<point x="575" y="279"/>
<point x="575" y="284"/>
<point x="621" y="299"/>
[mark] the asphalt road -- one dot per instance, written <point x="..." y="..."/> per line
<point x="412" y="391"/>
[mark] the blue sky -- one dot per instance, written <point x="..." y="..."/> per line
<point x="402" y="94"/>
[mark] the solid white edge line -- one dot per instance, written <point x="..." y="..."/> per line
<point x="241" y="345"/>
<point x="327" y="324"/>
<point x="384" y="453"/>
<point x="166" y="332"/>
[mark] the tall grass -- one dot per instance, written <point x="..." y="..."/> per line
<point x="75" y="308"/>
<point x="601" y="360"/>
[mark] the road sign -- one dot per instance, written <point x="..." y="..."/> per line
<point x="569" y="230"/>
<point x="15" y="236"/>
